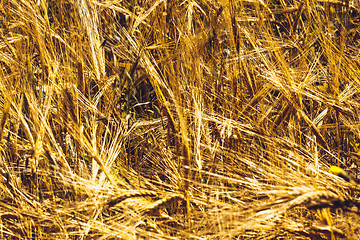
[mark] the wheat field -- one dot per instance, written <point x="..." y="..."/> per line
<point x="191" y="119"/>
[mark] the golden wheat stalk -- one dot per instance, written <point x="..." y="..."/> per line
<point x="154" y="208"/>
<point x="134" y="194"/>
